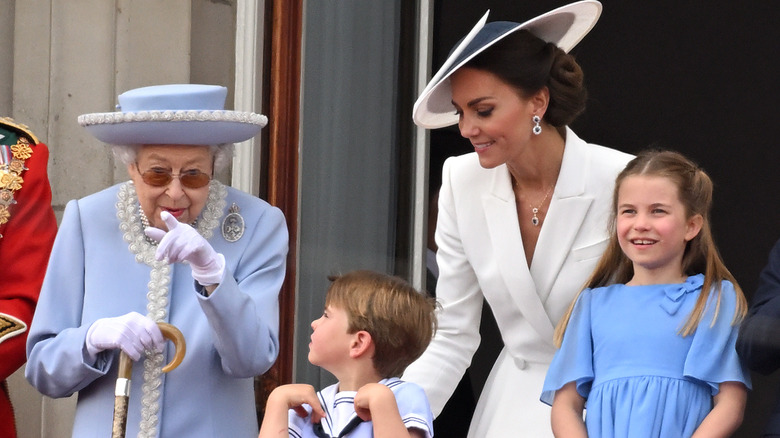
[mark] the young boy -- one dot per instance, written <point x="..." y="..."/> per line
<point x="373" y="326"/>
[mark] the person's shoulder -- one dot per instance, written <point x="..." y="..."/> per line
<point x="108" y="192"/>
<point x="404" y="387"/>
<point x="243" y="198"/>
<point x="97" y="200"/>
<point x="249" y="205"/>
<point x="598" y="154"/>
<point x="723" y="298"/>
<point x="467" y="161"/>
<point x="19" y="129"/>
<point x="728" y="290"/>
<point x="609" y="155"/>
<point x="774" y="255"/>
<point x="21" y="152"/>
<point x="466" y="169"/>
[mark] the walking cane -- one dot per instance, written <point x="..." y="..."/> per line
<point x="122" y="391"/>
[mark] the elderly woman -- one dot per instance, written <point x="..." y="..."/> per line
<point x="125" y="258"/>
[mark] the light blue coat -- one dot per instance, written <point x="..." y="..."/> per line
<point x="231" y="336"/>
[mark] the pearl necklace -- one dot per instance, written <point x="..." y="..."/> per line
<point x="132" y="222"/>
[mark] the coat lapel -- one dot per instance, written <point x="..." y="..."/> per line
<point x="568" y="208"/>
<point x="504" y="230"/>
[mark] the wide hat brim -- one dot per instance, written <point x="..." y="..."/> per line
<point x="205" y="127"/>
<point x="564" y="27"/>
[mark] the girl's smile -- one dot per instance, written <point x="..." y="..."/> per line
<point x="653" y="228"/>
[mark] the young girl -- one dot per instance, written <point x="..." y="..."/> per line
<point x="648" y="345"/>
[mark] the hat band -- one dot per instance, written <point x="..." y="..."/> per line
<point x="173" y="116"/>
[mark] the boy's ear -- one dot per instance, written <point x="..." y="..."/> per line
<point x="361" y="344"/>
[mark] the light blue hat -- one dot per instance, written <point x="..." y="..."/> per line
<point x="564" y="26"/>
<point x="189" y="114"/>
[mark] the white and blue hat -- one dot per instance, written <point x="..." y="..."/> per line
<point x="191" y="114"/>
<point x="564" y="27"/>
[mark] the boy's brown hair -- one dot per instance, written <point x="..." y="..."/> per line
<point x="400" y="320"/>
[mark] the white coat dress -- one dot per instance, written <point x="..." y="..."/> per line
<point x="481" y="255"/>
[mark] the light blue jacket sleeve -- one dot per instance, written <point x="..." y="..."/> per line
<point x="56" y="355"/>
<point x="243" y="311"/>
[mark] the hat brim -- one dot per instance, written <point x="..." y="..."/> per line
<point x="564" y="27"/>
<point x="173" y="127"/>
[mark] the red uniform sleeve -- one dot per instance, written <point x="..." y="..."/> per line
<point x="24" y="253"/>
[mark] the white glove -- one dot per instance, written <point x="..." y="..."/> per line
<point x="183" y="243"/>
<point x="133" y="333"/>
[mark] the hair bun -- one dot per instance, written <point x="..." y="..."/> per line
<point x="567" y="89"/>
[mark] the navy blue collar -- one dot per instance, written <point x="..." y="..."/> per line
<point x="320" y="432"/>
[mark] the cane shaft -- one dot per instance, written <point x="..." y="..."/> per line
<point x="125" y="372"/>
<point x="120" y="417"/>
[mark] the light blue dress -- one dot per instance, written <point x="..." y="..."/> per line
<point x="641" y="378"/>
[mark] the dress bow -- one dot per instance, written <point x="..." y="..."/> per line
<point x="675" y="292"/>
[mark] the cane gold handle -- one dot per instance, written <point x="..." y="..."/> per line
<point x="174" y="335"/>
<point x="122" y="391"/>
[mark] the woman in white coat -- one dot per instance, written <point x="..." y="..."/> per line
<point x="522" y="220"/>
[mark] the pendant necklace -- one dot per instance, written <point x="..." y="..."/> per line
<point x="535" y="220"/>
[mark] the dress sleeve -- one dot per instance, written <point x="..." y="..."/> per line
<point x="573" y="362"/>
<point x="56" y="356"/>
<point x="243" y="311"/>
<point x="712" y="357"/>
<point x="414" y="408"/>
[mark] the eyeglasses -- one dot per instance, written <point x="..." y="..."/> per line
<point x="158" y="177"/>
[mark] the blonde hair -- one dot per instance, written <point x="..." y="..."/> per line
<point x="694" y="188"/>
<point x="400" y="320"/>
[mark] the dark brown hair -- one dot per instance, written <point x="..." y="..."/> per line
<point x="530" y="64"/>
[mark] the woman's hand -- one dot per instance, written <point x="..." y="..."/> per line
<point x="132" y="333"/>
<point x="183" y="243"/>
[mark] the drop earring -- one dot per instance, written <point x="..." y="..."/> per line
<point x="537" y="127"/>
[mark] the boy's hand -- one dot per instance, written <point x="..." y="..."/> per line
<point x="280" y="401"/>
<point x="374" y="397"/>
<point x="294" y="396"/>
